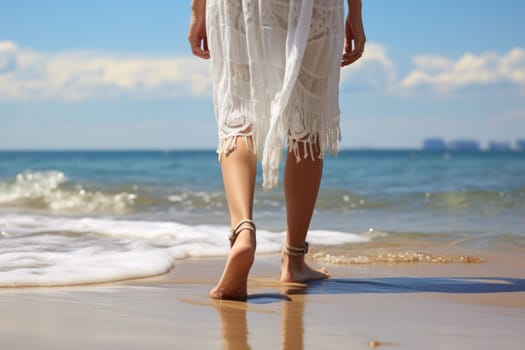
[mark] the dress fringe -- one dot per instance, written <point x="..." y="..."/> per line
<point x="275" y="73"/>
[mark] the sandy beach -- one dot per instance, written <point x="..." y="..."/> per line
<point x="412" y="306"/>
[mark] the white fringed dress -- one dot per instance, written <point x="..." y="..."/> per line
<point x="275" y="71"/>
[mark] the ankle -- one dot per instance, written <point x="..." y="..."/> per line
<point x="245" y="240"/>
<point x="292" y="263"/>
<point x="243" y="231"/>
<point x="296" y="250"/>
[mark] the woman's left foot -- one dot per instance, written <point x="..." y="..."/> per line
<point x="233" y="284"/>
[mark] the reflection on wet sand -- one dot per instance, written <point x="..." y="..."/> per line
<point x="235" y="326"/>
<point x="292" y="328"/>
<point x="233" y="314"/>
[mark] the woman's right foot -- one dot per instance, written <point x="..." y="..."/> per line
<point x="294" y="269"/>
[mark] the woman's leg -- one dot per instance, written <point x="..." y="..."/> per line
<point x="301" y="185"/>
<point x="238" y="172"/>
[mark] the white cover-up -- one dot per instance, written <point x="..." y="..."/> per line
<point x="275" y="72"/>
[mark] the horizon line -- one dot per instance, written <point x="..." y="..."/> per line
<point x="197" y="149"/>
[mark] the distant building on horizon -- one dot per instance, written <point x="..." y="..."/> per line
<point x="434" y="144"/>
<point x="464" y="145"/>
<point x="499" y="146"/>
<point x="438" y="144"/>
<point x="520" y="145"/>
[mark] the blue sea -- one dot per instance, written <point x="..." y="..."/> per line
<point x="75" y="217"/>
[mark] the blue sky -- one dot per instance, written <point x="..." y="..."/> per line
<point x="119" y="74"/>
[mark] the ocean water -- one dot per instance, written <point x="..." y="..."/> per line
<point x="91" y="216"/>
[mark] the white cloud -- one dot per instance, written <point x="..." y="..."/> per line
<point x="27" y="75"/>
<point x="30" y="75"/>
<point x="373" y="70"/>
<point x="489" y="68"/>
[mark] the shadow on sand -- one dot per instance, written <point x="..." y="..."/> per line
<point x="450" y="285"/>
<point x="395" y="285"/>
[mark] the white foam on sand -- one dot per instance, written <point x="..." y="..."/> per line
<point x="38" y="250"/>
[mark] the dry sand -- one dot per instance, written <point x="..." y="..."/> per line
<point x="405" y="306"/>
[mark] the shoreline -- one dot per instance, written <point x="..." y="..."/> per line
<point x="408" y="305"/>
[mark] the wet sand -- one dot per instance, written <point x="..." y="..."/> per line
<point x="408" y="306"/>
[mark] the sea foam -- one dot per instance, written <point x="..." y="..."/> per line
<point x="51" y="190"/>
<point x="39" y="250"/>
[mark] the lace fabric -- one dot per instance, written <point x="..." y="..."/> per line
<point x="275" y="74"/>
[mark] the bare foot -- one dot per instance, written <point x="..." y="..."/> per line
<point x="294" y="269"/>
<point x="234" y="280"/>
